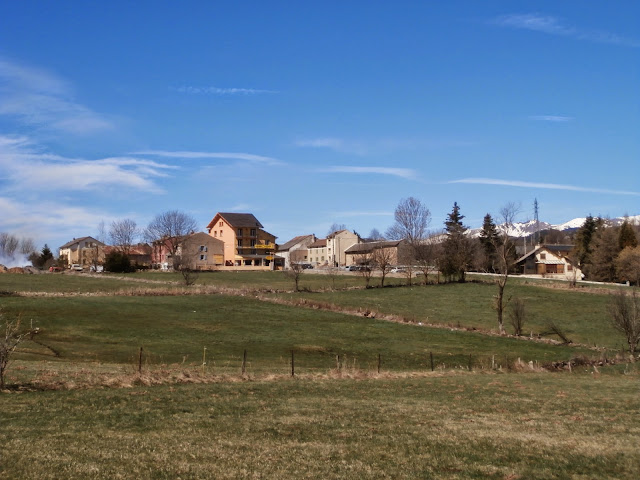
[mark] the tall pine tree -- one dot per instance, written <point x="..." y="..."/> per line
<point x="489" y="239"/>
<point x="457" y="248"/>
<point x="627" y="236"/>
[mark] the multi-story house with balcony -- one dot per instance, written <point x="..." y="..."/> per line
<point x="246" y="244"/>
<point x="82" y="251"/>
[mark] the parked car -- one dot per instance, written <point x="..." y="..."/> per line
<point x="397" y="270"/>
<point x="76" y="267"/>
<point x="96" y="268"/>
<point x="55" y="269"/>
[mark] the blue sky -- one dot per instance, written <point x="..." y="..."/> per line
<point x="313" y="113"/>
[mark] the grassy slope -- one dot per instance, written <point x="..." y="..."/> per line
<point x="583" y="315"/>
<point x="111" y="329"/>
<point x="533" y="426"/>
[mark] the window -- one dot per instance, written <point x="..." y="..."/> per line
<point x="253" y="232"/>
<point x="221" y="232"/>
<point x="239" y="242"/>
<point x="203" y="248"/>
<point x="215" y="233"/>
<point x="239" y="232"/>
<point x="543" y="256"/>
<point x="203" y="257"/>
<point x="220" y="223"/>
<point x="253" y="242"/>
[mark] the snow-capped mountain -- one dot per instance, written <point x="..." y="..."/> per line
<point x="524" y="229"/>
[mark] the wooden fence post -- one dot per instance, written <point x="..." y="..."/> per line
<point x="293" y="370"/>
<point x="244" y="361"/>
<point x="431" y="356"/>
<point x="140" y="361"/>
<point x="379" y="362"/>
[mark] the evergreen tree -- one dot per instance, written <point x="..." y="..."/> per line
<point x="605" y="250"/>
<point x="489" y="239"/>
<point x="627" y="237"/>
<point x="457" y="248"/>
<point x="118" y="262"/>
<point x="583" y="240"/>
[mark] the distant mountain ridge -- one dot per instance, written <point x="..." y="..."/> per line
<point x="524" y="229"/>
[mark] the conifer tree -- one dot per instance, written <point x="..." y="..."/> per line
<point x="457" y="248"/>
<point x="489" y="238"/>
<point x="627" y="237"/>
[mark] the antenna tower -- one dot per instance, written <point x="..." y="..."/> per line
<point x="537" y="220"/>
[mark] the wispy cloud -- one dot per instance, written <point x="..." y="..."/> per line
<point x="335" y="144"/>
<point x="379" y="145"/>
<point x="359" y="213"/>
<point x="549" y="186"/>
<point x="22" y="165"/>
<point x="249" y="157"/>
<point x="553" y="26"/>
<point x="397" y="172"/>
<point x="551" y="118"/>
<point x="46" y="219"/>
<point x="39" y="98"/>
<point x="221" y="91"/>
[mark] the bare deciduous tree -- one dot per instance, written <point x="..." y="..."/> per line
<point x="517" y="315"/>
<point x="294" y="273"/>
<point x="123" y="234"/>
<point x="10" y="338"/>
<point x="628" y="265"/>
<point x="184" y="261"/>
<point x="382" y="258"/>
<point x="412" y="220"/>
<point x="336" y="227"/>
<point x="170" y="227"/>
<point x="366" y="266"/>
<point x="12" y="245"/>
<point x="624" y="311"/>
<point x="505" y="254"/>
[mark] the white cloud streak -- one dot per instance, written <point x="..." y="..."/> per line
<point x="39" y="98"/>
<point x="22" y="166"/>
<point x="221" y="91"/>
<point x="249" y="157"/>
<point x="354" y="213"/>
<point x="549" y="186"/>
<point x="383" y="145"/>
<point x="397" y="172"/>
<point x="553" y="26"/>
<point x="551" y="118"/>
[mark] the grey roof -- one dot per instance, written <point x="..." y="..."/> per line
<point x="241" y="219"/>
<point x="78" y="240"/>
<point x="237" y="220"/>
<point x="370" y="246"/>
<point x="561" y="250"/>
<point x="294" y="241"/>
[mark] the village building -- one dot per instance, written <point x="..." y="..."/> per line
<point x="84" y="251"/>
<point x="550" y="261"/>
<point x="246" y="244"/>
<point x="394" y="252"/>
<point x="197" y="251"/>
<point x="296" y="250"/>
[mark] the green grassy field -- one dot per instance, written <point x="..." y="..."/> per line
<point x="456" y="426"/>
<point x="77" y="407"/>
<point x="583" y="315"/>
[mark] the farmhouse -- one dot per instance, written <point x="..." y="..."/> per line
<point x="246" y="244"/>
<point x="197" y="251"/>
<point x="395" y="252"/>
<point x="550" y="261"/>
<point x="82" y="251"/>
<point x="296" y="250"/>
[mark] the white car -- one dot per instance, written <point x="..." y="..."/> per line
<point x="76" y="267"/>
